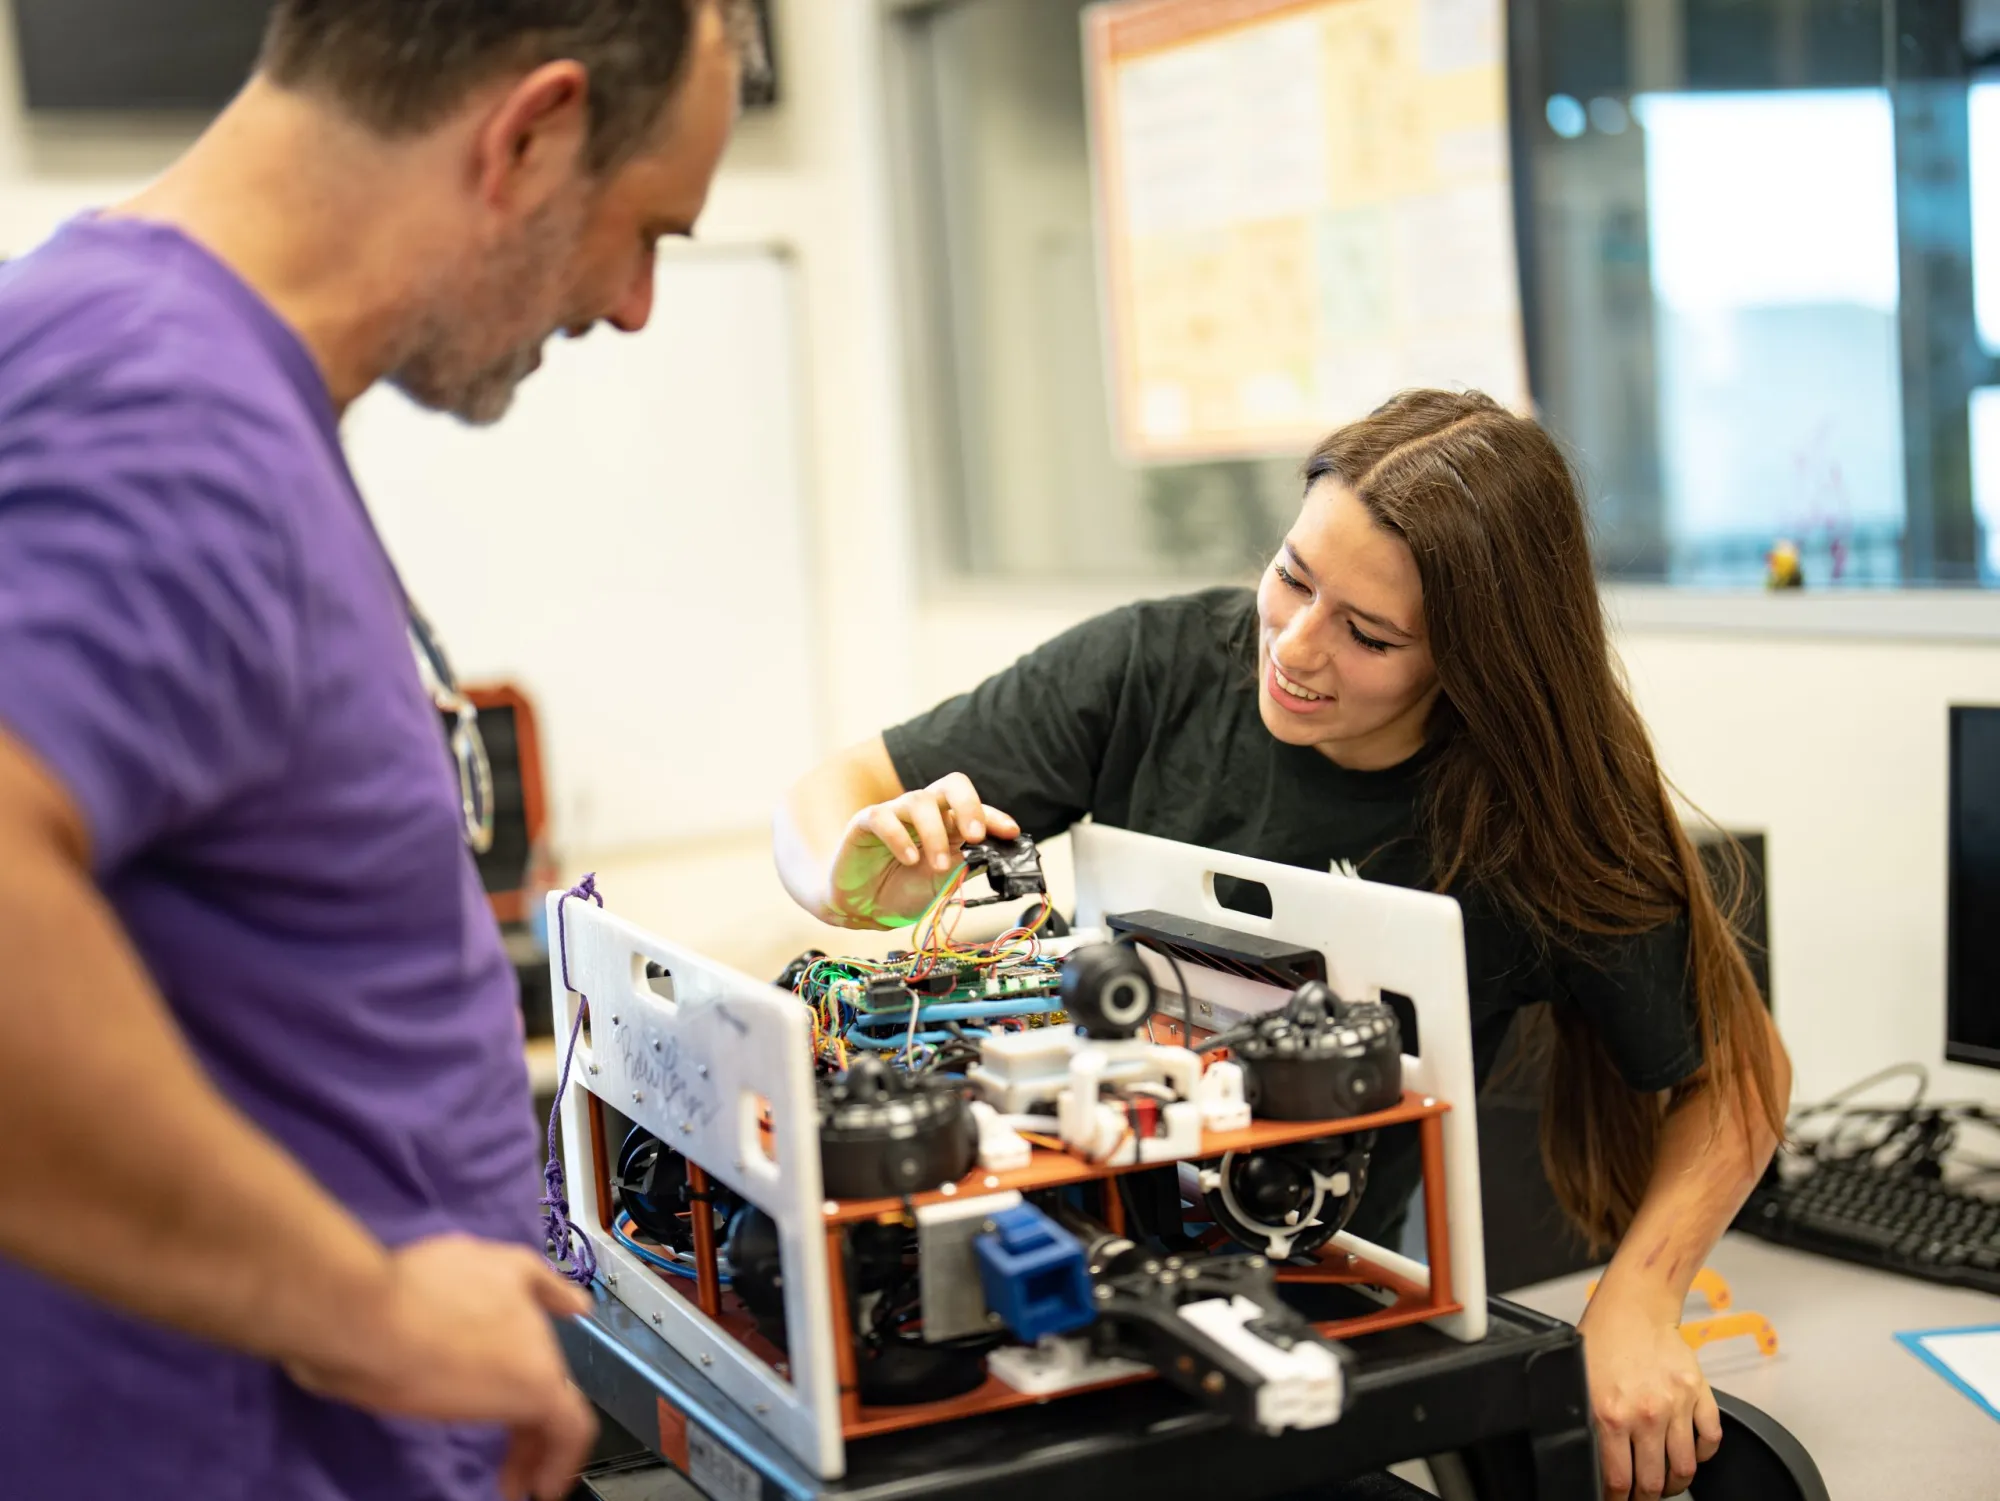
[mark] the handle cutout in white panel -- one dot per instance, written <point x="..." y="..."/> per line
<point x="1406" y="1019"/>
<point x="756" y="1136"/>
<point x="1246" y="898"/>
<point x="654" y="979"/>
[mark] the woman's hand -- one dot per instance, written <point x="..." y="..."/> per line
<point x="1656" y="1417"/>
<point x="895" y="856"/>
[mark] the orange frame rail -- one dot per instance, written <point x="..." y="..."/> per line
<point x="1412" y="1301"/>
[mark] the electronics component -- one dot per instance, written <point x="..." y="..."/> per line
<point x="1117" y="1098"/>
<point x="1107" y="990"/>
<point x="948" y="1270"/>
<point x="884" y="1132"/>
<point x="918" y="1004"/>
<point x="1221" y="1098"/>
<point x="1247" y="955"/>
<point x="1288" y="1201"/>
<point x="1035" y="1274"/>
<point x="1131" y="1101"/>
<point x="1320" y="1058"/>
<point x="1001" y="1148"/>
<point x="1021" y="1072"/>
<point x="791" y="974"/>
<point x="1012" y="867"/>
<point x="1057" y="1364"/>
<point x="1216" y="1328"/>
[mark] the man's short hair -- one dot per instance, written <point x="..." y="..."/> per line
<point x="401" y="66"/>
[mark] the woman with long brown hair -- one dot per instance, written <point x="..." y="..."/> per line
<point x="1420" y="691"/>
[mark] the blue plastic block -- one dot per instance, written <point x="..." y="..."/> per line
<point x="1035" y="1274"/>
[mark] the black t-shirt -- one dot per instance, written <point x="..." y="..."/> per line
<point x="1146" y="718"/>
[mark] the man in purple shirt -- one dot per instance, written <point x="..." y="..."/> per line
<point x="267" y="1177"/>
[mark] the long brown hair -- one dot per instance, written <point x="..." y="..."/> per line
<point x="1544" y="792"/>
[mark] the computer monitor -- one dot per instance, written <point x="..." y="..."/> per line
<point x="1972" y="958"/>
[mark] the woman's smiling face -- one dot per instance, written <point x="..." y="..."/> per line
<point x="1343" y="662"/>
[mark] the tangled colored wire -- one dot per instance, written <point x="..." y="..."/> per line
<point x="1005" y="982"/>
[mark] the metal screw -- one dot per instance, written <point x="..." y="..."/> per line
<point x="706" y="1358"/>
<point x="656" y="1318"/>
<point x="988" y="1227"/>
<point x="762" y="1408"/>
<point x="1173" y="1263"/>
<point x="615" y="1018"/>
<point x="1213" y="1383"/>
<point x="687" y="1125"/>
<point x="701" y="1069"/>
<point x="637" y="1097"/>
<point x="595" y="1069"/>
<point x="612" y="1279"/>
<point x="1256" y="1263"/>
<point x="993" y="1321"/>
<point x="1103" y="1294"/>
<point x="948" y="1189"/>
<point x="656" y="1044"/>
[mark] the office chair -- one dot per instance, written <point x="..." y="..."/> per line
<point x="1759" y="1460"/>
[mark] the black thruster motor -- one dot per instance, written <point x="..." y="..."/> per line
<point x="1319" y="1059"/>
<point x="653" y="1187"/>
<point x="884" y="1133"/>
<point x="1289" y="1201"/>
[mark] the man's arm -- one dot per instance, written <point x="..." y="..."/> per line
<point x="214" y="1230"/>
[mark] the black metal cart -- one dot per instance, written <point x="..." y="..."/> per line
<point x="1514" y="1407"/>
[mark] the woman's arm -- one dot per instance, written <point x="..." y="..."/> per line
<point x="1656" y="1416"/>
<point x="858" y="851"/>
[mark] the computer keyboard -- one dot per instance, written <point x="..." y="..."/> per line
<point x="1899" y="1223"/>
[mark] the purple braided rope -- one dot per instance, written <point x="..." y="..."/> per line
<point x="568" y="1247"/>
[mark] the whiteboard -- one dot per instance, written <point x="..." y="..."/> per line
<point x="630" y="548"/>
<point x="1304" y="206"/>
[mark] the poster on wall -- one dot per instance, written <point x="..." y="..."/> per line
<point x="1304" y="206"/>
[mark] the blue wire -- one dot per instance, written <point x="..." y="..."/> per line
<point x="653" y="1258"/>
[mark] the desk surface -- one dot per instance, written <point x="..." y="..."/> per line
<point x="1877" y="1421"/>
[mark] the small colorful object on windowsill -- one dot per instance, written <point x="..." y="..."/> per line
<point x="1782" y="569"/>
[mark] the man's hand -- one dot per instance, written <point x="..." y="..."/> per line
<point x="1656" y="1417"/>
<point x="460" y="1333"/>
<point x="895" y="856"/>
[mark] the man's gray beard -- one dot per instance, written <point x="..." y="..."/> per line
<point x="432" y="374"/>
<point x="478" y="400"/>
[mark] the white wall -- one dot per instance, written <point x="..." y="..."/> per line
<point x="1837" y="750"/>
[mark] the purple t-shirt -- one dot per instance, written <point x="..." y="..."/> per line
<point x="202" y="637"/>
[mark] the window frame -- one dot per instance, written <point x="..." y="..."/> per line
<point x="1941" y="355"/>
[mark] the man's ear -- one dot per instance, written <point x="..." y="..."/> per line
<point x="532" y="141"/>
